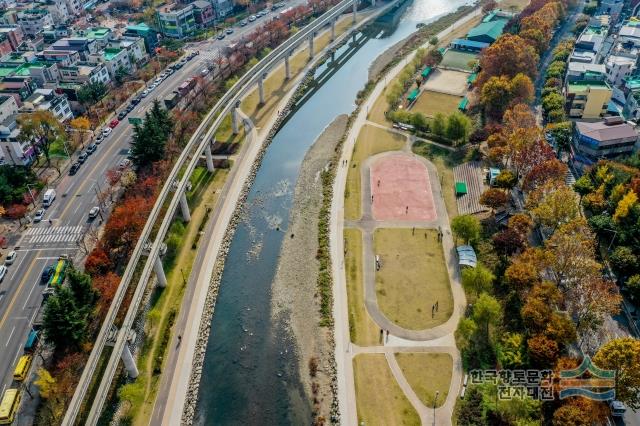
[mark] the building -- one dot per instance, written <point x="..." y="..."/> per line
<point x="591" y="39"/>
<point x="13" y="33"/>
<point x="14" y="151"/>
<point x="114" y="59"/>
<point x="51" y="35"/>
<point x="629" y="33"/>
<point x="489" y="29"/>
<point x="176" y="20"/>
<point x="64" y="58"/>
<point x="149" y="35"/>
<point x="587" y="99"/>
<point x="20" y="87"/>
<point x="74" y="7"/>
<point x="579" y="71"/>
<point x="8" y="107"/>
<point x="100" y="35"/>
<point x="84" y="46"/>
<point x="48" y="100"/>
<point x="84" y="72"/>
<point x="620" y="65"/>
<point x="608" y="138"/>
<point x="34" y="21"/>
<point x="223" y="8"/>
<point x="204" y="13"/>
<point x="40" y="72"/>
<point x="134" y="46"/>
<point x="58" y="10"/>
<point x="468" y="45"/>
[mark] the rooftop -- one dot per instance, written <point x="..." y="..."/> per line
<point x="111" y="53"/>
<point x="492" y="29"/>
<point x="583" y="86"/>
<point x="602" y="132"/>
<point x="98" y="32"/>
<point x="141" y="27"/>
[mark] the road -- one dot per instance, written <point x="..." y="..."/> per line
<point x="41" y="244"/>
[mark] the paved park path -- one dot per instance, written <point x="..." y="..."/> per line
<point x="439" y="339"/>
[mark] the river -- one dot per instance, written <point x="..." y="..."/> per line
<point x="250" y="375"/>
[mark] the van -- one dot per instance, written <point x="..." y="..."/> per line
<point x="49" y="196"/>
<point x="22" y="369"/>
<point x="32" y="341"/>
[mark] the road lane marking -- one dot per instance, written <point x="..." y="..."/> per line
<point x="10" y="335"/>
<point x="17" y="291"/>
<point x="35" y="284"/>
<point x="15" y="271"/>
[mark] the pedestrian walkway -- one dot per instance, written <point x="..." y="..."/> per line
<point x="53" y="234"/>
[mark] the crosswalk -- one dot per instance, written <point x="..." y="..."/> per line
<point x="53" y="234"/>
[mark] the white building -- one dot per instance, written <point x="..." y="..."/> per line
<point x="58" y="10"/>
<point x="620" y="65"/>
<point x="48" y="100"/>
<point x="33" y="21"/>
<point x="14" y="151"/>
<point x="84" y="72"/>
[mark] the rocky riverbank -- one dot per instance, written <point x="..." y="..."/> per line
<point x="295" y="301"/>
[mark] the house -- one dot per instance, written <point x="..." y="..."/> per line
<point x="40" y="72"/>
<point x="48" y="100"/>
<point x="629" y="33"/>
<point x="587" y="99"/>
<point x="468" y="45"/>
<point x="149" y="35"/>
<point x="13" y="33"/>
<point x="100" y="35"/>
<point x="58" y="9"/>
<point x="134" y="47"/>
<point x="62" y="57"/>
<point x="487" y="32"/>
<point x="82" y="45"/>
<point x="620" y="65"/>
<point x="114" y="59"/>
<point x="20" y="87"/>
<point x="578" y="71"/>
<point x="608" y="138"/>
<point x="74" y="7"/>
<point x="33" y="21"/>
<point x="204" y="13"/>
<point x="222" y="8"/>
<point x="13" y="150"/>
<point x="84" y="72"/>
<point x="176" y="20"/>
<point x="591" y="39"/>
<point x="53" y="34"/>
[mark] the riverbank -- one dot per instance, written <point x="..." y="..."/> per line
<point x="296" y="277"/>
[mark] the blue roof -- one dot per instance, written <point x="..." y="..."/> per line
<point x="467" y="256"/>
<point x="463" y="42"/>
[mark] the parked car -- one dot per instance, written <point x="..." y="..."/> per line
<point x="114" y="123"/>
<point x="106" y="131"/>
<point x="91" y="148"/>
<point x="243" y="23"/>
<point x="46" y="274"/>
<point x="83" y="157"/>
<point x="3" y="272"/>
<point x="204" y="72"/>
<point x="220" y="36"/>
<point x="252" y="18"/>
<point x="94" y="212"/>
<point x="157" y="81"/>
<point x="229" y="31"/>
<point x="135" y="101"/>
<point x="144" y="93"/>
<point x="99" y="139"/>
<point x="11" y="257"/>
<point x="122" y="115"/>
<point x="130" y="154"/>
<point x="74" y="169"/>
<point x="39" y="215"/>
<point x="124" y="163"/>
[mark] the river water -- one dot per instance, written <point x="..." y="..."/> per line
<point x="250" y="375"/>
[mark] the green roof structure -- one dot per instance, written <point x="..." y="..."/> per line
<point x="487" y="31"/>
<point x="413" y="95"/>
<point x="425" y="72"/>
<point x="462" y="106"/>
<point x="461" y="188"/>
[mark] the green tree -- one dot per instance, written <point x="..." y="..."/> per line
<point x="160" y="117"/>
<point x="506" y="179"/>
<point x="511" y="353"/>
<point x="41" y="129"/>
<point x="633" y="284"/>
<point x="458" y="127"/>
<point x="121" y="74"/>
<point x="624" y="260"/>
<point x="465" y="332"/>
<point x="470" y="413"/>
<point x="149" y="139"/>
<point x="466" y="227"/>
<point x="623" y="356"/>
<point x="65" y="324"/>
<point x="583" y="186"/>
<point x="561" y="133"/>
<point x="13" y="183"/>
<point x="553" y="101"/>
<point x="487" y="312"/>
<point x="91" y="92"/>
<point x="477" y="280"/>
<point x="438" y="125"/>
<point x="83" y="292"/>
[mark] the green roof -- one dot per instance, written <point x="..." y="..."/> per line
<point x="142" y="27"/>
<point x="491" y="29"/>
<point x="461" y="188"/>
<point x="582" y="86"/>
<point x="111" y="53"/>
<point x="472" y="78"/>
<point x="490" y="16"/>
<point x="413" y="95"/>
<point x="98" y="33"/>
<point x="426" y="72"/>
<point x="463" y="104"/>
<point x="5" y="71"/>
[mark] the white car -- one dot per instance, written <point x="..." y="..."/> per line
<point x="124" y="163"/>
<point x="3" y="272"/>
<point x="11" y="257"/>
<point x="93" y="213"/>
<point x="106" y="131"/>
<point x="144" y="93"/>
<point x="39" y="215"/>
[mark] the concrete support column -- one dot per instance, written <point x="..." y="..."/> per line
<point x="184" y="208"/>
<point x="234" y="118"/>
<point x="209" y="157"/>
<point x="333" y="30"/>
<point x="353" y="37"/>
<point x="373" y="3"/>
<point x="355" y="10"/>
<point x="287" y="68"/>
<point x="261" y="90"/>
<point x="311" y="46"/>
<point x="159" y="270"/>
<point x="129" y="362"/>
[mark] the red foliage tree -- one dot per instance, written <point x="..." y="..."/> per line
<point x="542" y="350"/>
<point x="508" y="56"/>
<point x="97" y="262"/>
<point x="16" y="211"/>
<point x="106" y="285"/>
<point x="508" y="242"/>
<point x="552" y="170"/>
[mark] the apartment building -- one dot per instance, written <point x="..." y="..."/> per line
<point x="176" y="20"/>
<point x="587" y="99"/>
<point x="13" y="33"/>
<point x="34" y="21"/>
<point x="85" y="72"/>
<point x="48" y="100"/>
<point x="14" y="151"/>
<point x="609" y="138"/>
<point x="148" y="34"/>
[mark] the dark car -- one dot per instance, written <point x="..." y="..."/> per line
<point x="83" y="157"/>
<point x="130" y="108"/>
<point x="46" y="274"/>
<point x="74" y="169"/>
<point x="135" y="101"/>
<point x="122" y="115"/>
<point x="92" y="148"/>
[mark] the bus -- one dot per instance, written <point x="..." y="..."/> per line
<point x="9" y="406"/>
<point x="22" y="369"/>
<point x="59" y="271"/>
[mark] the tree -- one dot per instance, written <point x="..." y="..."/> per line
<point x="508" y="241"/>
<point x="521" y="223"/>
<point x="591" y="300"/>
<point x="477" y="280"/>
<point x="487" y="312"/>
<point x="65" y="324"/>
<point x="624" y="261"/>
<point x="580" y="411"/>
<point x="552" y="170"/>
<point x="438" y="125"/>
<point x="633" y="284"/>
<point x="556" y="207"/>
<point x="508" y="55"/>
<point x="625" y="205"/>
<point x="623" y="356"/>
<point x="40" y="129"/>
<point x="493" y="198"/>
<point x="470" y="413"/>
<point x="91" y="92"/>
<point x="583" y="186"/>
<point x="83" y="292"/>
<point x="458" y="127"/>
<point x="506" y="179"/>
<point x="553" y="101"/>
<point x="493" y="95"/>
<point x="561" y="133"/>
<point x="542" y="350"/>
<point x="511" y="352"/>
<point x="521" y="89"/>
<point x="467" y="328"/>
<point x="80" y="125"/>
<point x="466" y="227"/>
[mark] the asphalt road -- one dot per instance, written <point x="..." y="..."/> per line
<point x="41" y="244"/>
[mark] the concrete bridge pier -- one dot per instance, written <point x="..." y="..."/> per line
<point x="261" y="88"/>
<point x="373" y="3"/>
<point x="129" y="362"/>
<point x="234" y="118"/>
<point x="355" y="10"/>
<point x="287" y="68"/>
<point x="159" y="270"/>
<point x="311" y="46"/>
<point x="209" y="157"/>
<point x="333" y="30"/>
<point x="353" y="37"/>
<point x="184" y="208"/>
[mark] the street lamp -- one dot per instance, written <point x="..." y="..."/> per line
<point x="434" y="407"/>
<point x="33" y="200"/>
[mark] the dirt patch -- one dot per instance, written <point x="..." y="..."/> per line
<point x="296" y="277"/>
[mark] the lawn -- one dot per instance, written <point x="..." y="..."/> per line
<point x="371" y="140"/>
<point x="275" y="85"/>
<point x="427" y="373"/>
<point x="412" y="278"/>
<point x="430" y="103"/>
<point x="379" y="399"/>
<point x="224" y="133"/>
<point x="444" y="160"/>
<point x="380" y="106"/>
<point x="458" y="60"/>
<point x="362" y="329"/>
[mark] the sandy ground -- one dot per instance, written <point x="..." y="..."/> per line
<point x="294" y="298"/>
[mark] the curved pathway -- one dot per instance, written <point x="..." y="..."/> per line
<point x="439" y="339"/>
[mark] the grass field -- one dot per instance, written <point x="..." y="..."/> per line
<point x="275" y="85"/>
<point x="444" y="161"/>
<point x="224" y="133"/>
<point x="379" y="399"/>
<point x="427" y="373"/>
<point x="430" y="103"/>
<point x="458" y="60"/>
<point x="413" y="277"/>
<point x="371" y="140"/>
<point x="362" y="329"/>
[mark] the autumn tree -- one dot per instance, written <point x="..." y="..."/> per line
<point x="80" y="125"/>
<point x="553" y="206"/>
<point x="508" y="56"/>
<point x="493" y="94"/>
<point x="466" y="227"/>
<point x="552" y="170"/>
<point x="49" y="390"/>
<point x="623" y="356"/>
<point x="591" y="300"/>
<point x="40" y="129"/>
<point x="477" y="280"/>
<point x="508" y="241"/>
<point x="542" y="350"/>
<point x="493" y="198"/>
<point x="580" y="411"/>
